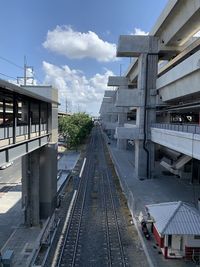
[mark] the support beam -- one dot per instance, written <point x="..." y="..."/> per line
<point x="135" y="45"/>
<point x="117" y="81"/>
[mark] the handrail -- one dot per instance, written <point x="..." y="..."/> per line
<point x="7" y="131"/>
<point x="181" y="127"/>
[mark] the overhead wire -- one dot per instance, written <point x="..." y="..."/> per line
<point x="11" y="62"/>
<point x="18" y="66"/>
<point x="8" y="76"/>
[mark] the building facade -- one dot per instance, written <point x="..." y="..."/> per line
<point x="156" y="104"/>
<point x="28" y="129"/>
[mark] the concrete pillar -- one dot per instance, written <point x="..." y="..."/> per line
<point x="122" y="118"/>
<point x="144" y="157"/>
<point x="121" y="143"/>
<point x="140" y="160"/>
<point x="30" y="188"/>
<point x="48" y="180"/>
<point x="113" y="118"/>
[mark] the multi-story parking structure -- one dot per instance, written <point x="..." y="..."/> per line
<point x="157" y="102"/>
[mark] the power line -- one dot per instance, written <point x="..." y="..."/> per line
<point x="11" y="62"/>
<point x="18" y="66"/>
<point x="7" y="76"/>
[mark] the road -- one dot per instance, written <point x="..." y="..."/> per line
<point x="11" y="174"/>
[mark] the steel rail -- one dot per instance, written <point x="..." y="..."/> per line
<point x="106" y="173"/>
<point x="82" y="187"/>
<point x="106" y="222"/>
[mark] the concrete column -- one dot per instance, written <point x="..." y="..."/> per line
<point x="140" y="160"/>
<point x="30" y="188"/>
<point x="121" y="143"/>
<point x="122" y="118"/>
<point x="113" y="118"/>
<point x="48" y="180"/>
<point x="144" y="149"/>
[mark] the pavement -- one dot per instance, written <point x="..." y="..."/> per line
<point x="13" y="234"/>
<point x="142" y="192"/>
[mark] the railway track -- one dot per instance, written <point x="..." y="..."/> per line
<point x="92" y="236"/>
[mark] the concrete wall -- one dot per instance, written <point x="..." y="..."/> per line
<point x="191" y="242"/>
<point x="177" y="82"/>
<point x="127" y="132"/>
<point x="178" y="22"/>
<point x="46" y="91"/>
<point x="117" y="81"/>
<point x="127" y="98"/>
<point x="186" y="143"/>
<point x="110" y="125"/>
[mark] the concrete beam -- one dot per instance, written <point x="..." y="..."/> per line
<point x="118" y="81"/>
<point x="127" y="132"/>
<point x="186" y="143"/>
<point x="12" y="152"/>
<point x="178" y="22"/>
<point x="135" y="45"/>
<point x="191" y="49"/>
<point x="177" y="83"/>
<point x="127" y="98"/>
<point x="109" y="93"/>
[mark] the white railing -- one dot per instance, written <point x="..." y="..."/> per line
<point x="188" y="128"/>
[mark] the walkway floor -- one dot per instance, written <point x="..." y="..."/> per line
<point x="160" y="189"/>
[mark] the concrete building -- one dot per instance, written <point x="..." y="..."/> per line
<point x="28" y="129"/>
<point x="161" y="94"/>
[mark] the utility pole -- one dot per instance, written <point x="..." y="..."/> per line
<point x="26" y="77"/>
<point x="25" y="68"/>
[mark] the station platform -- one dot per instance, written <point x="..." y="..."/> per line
<point x="142" y="192"/>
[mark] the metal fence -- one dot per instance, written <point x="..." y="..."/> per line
<point x="7" y="132"/>
<point x="188" y="128"/>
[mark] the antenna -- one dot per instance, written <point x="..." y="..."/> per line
<point x="25" y="67"/>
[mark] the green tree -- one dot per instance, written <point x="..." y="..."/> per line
<point x="75" y="128"/>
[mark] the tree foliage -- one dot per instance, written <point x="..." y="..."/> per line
<point x="75" y="128"/>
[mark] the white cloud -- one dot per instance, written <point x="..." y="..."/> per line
<point x="76" y="88"/>
<point x="72" y="44"/>
<point x="138" y="31"/>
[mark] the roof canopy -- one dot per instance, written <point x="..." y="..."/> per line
<point x="175" y="218"/>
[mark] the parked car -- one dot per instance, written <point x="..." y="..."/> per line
<point x="8" y="164"/>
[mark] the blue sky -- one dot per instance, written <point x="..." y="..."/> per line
<point x="71" y="43"/>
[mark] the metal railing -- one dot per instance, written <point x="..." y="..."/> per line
<point x="7" y="131"/>
<point x="188" y="128"/>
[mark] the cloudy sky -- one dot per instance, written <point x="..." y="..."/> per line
<point x="71" y="44"/>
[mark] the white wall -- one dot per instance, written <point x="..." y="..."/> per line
<point x="191" y="242"/>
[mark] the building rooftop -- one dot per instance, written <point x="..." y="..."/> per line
<point x="37" y="92"/>
<point x="175" y="218"/>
